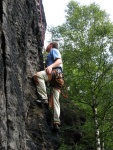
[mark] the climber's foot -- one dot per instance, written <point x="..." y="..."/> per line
<point x="42" y="102"/>
<point x="56" y="128"/>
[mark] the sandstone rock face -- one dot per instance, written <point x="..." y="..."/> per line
<point x="23" y="124"/>
<point x="20" y="57"/>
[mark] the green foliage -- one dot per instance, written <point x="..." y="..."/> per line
<point x="64" y="147"/>
<point x="87" y="50"/>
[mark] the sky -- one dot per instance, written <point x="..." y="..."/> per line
<point x="55" y="11"/>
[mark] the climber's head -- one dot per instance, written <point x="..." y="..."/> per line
<point x="52" y="45"/>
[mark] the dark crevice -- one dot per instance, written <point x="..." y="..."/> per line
<point x="3" y="52"/>
<point x="4" y="59"/>
<point x="3" y="45"/>
<point x="3" y="48"/>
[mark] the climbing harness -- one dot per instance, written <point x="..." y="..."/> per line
<point x="57" y="82"/>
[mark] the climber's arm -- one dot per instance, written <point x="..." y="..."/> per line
<point x="54" y="65"/>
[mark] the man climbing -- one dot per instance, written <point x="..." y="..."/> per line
<point x="52" y="74"/>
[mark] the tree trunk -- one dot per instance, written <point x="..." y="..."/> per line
<point x="97" y="131"/>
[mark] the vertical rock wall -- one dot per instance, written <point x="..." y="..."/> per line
<point x="20" y="57"/>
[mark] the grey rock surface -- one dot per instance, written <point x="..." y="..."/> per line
<point x="20" y="57"/>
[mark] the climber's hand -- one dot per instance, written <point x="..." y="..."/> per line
<point x="49" y="70"/>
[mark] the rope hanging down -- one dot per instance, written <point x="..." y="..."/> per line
<point x="42" y="27"/>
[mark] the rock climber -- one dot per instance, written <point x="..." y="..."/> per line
<point x="53" y="74"/>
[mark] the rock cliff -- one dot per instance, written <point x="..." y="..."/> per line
<point x="23" y="124"/>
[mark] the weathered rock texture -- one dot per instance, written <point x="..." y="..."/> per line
<point x="20" y="56"/>
<point x="23" y="124"/>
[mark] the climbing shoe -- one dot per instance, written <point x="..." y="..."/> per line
<point x="56" y="128"/>
<point x="42" y="102"/>
<point x="38" y="101"/>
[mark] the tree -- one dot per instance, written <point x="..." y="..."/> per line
<point x="87" y="44"/>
